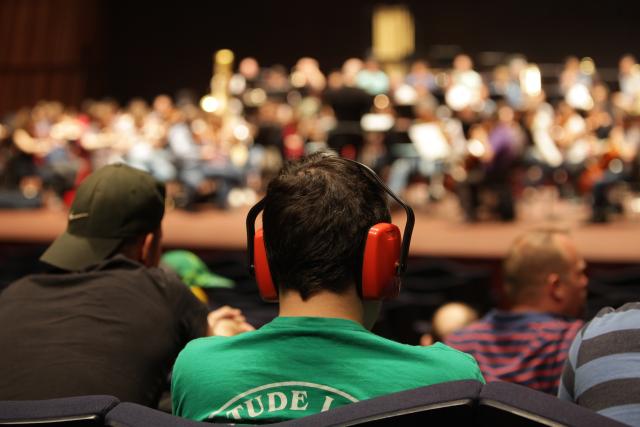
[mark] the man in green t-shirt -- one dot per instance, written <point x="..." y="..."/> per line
<point x="322" y="222"/>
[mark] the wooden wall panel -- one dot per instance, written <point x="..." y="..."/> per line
<point x="43" y="45"/>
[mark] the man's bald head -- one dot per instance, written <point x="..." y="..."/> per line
<point x="531" y="259"/>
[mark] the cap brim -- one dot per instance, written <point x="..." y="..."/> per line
<point x="210" y="280"/>
<point x="75" y="253"/>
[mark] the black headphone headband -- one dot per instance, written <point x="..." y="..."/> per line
<point x="406" y="235"/>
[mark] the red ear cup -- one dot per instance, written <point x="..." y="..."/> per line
<point x="380" y="278"/>
<point x="267" y="289"/>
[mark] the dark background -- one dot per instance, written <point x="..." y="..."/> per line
<point x="72" y="49"/>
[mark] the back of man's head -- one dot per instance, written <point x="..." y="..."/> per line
<point x="531" y="258"/>
<point x="316" y="218"/>
<point x="114" y="206"/>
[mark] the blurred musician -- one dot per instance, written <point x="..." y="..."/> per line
<point x="349" y="104"/>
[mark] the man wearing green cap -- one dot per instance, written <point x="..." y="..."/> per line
<point x="193" y="272"/>
<point x="106" y="319"/>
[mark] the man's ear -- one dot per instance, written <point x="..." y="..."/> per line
<point x="553" y="287"/>
<point x="150" y="250"/>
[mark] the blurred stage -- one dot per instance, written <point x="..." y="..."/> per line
<point x="439" y="231"/>
<point x="450" y="260"/>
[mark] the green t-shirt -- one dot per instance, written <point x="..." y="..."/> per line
<point x="298" y="366"/>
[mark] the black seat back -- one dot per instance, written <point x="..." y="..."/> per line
<point x="449" y="403"/>
<point x="78" y="411"/>
<point x="506" y="404"/>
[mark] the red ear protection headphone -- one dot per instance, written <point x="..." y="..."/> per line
<point x="384" y="259"/>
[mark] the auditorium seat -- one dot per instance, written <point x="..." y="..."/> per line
<point x="78" y="411"/>
<point x="506" y="404"/>
<point x="456" y="403"/>
<point x="129" y="414"/>
<point x="449" y="403"/>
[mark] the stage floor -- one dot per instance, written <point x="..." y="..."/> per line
<point x="439" y="230"/>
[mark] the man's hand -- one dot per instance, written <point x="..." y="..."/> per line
<point x="227" y="321"/>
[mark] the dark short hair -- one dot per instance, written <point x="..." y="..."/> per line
<point x="316" y="218"/>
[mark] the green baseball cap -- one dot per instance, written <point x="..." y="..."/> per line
<point x="193" y="271"/>
<point x="114" y="203"/>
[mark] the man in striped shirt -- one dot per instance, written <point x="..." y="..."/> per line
<point x="602" y="371"/>
<point x="546" y="283"/>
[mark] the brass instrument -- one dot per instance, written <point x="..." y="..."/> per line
<point x="217" y="101"/>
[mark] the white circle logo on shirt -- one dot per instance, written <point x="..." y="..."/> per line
<point x="283" y="396"/>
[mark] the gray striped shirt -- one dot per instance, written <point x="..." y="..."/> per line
<point x="602" y="371"/>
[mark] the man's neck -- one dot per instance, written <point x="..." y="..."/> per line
<point x="324" y="304"/>
<point x="534" y="308"/>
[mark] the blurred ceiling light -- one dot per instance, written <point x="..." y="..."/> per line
<point x="459" y="97"/>
<point x="587" y="66"/>
<point x="376" y="122"/>
<point x="209" y="104"/>
<point x="579" y="97"/>
<point x="531" y="80"/>
<point x="476" y="148"/>
<point x="381" y="101"/>
<point x="429" y="141"/>
<point x="241" y="132"/>
<point x="405" y="95"/>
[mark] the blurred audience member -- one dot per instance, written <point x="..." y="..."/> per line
<point x="105" y="320"/>
<point x="601" y="372"/>
<point x="421" y="78"/>
<point x="629" y="81"/>
<point x="372" y="79"/>
<point x="271" y="115"/>
<point x="193" y="272"/>
<point x="318" y="353"/>
<point x="349" y="103"/>
<point x="528" y="344"/>
<point x="466" y="89"/>
<point x="448" y="319"/>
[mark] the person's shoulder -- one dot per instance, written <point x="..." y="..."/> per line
<point x="220" y="343"/>
<point x="630" y="308"/>
<point x="448" y="353"/>
<point x="609" y="319"/>
<point x="200" y="350"/>
<point x="25" y="283"/>
<point x="166" y="277"/>
<point x="195" y="348"/>
<point x="122" y="266"/>
<point x="440" y="352"/>
<point x="18" y="286"/>
<point x="455" y="361"/>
